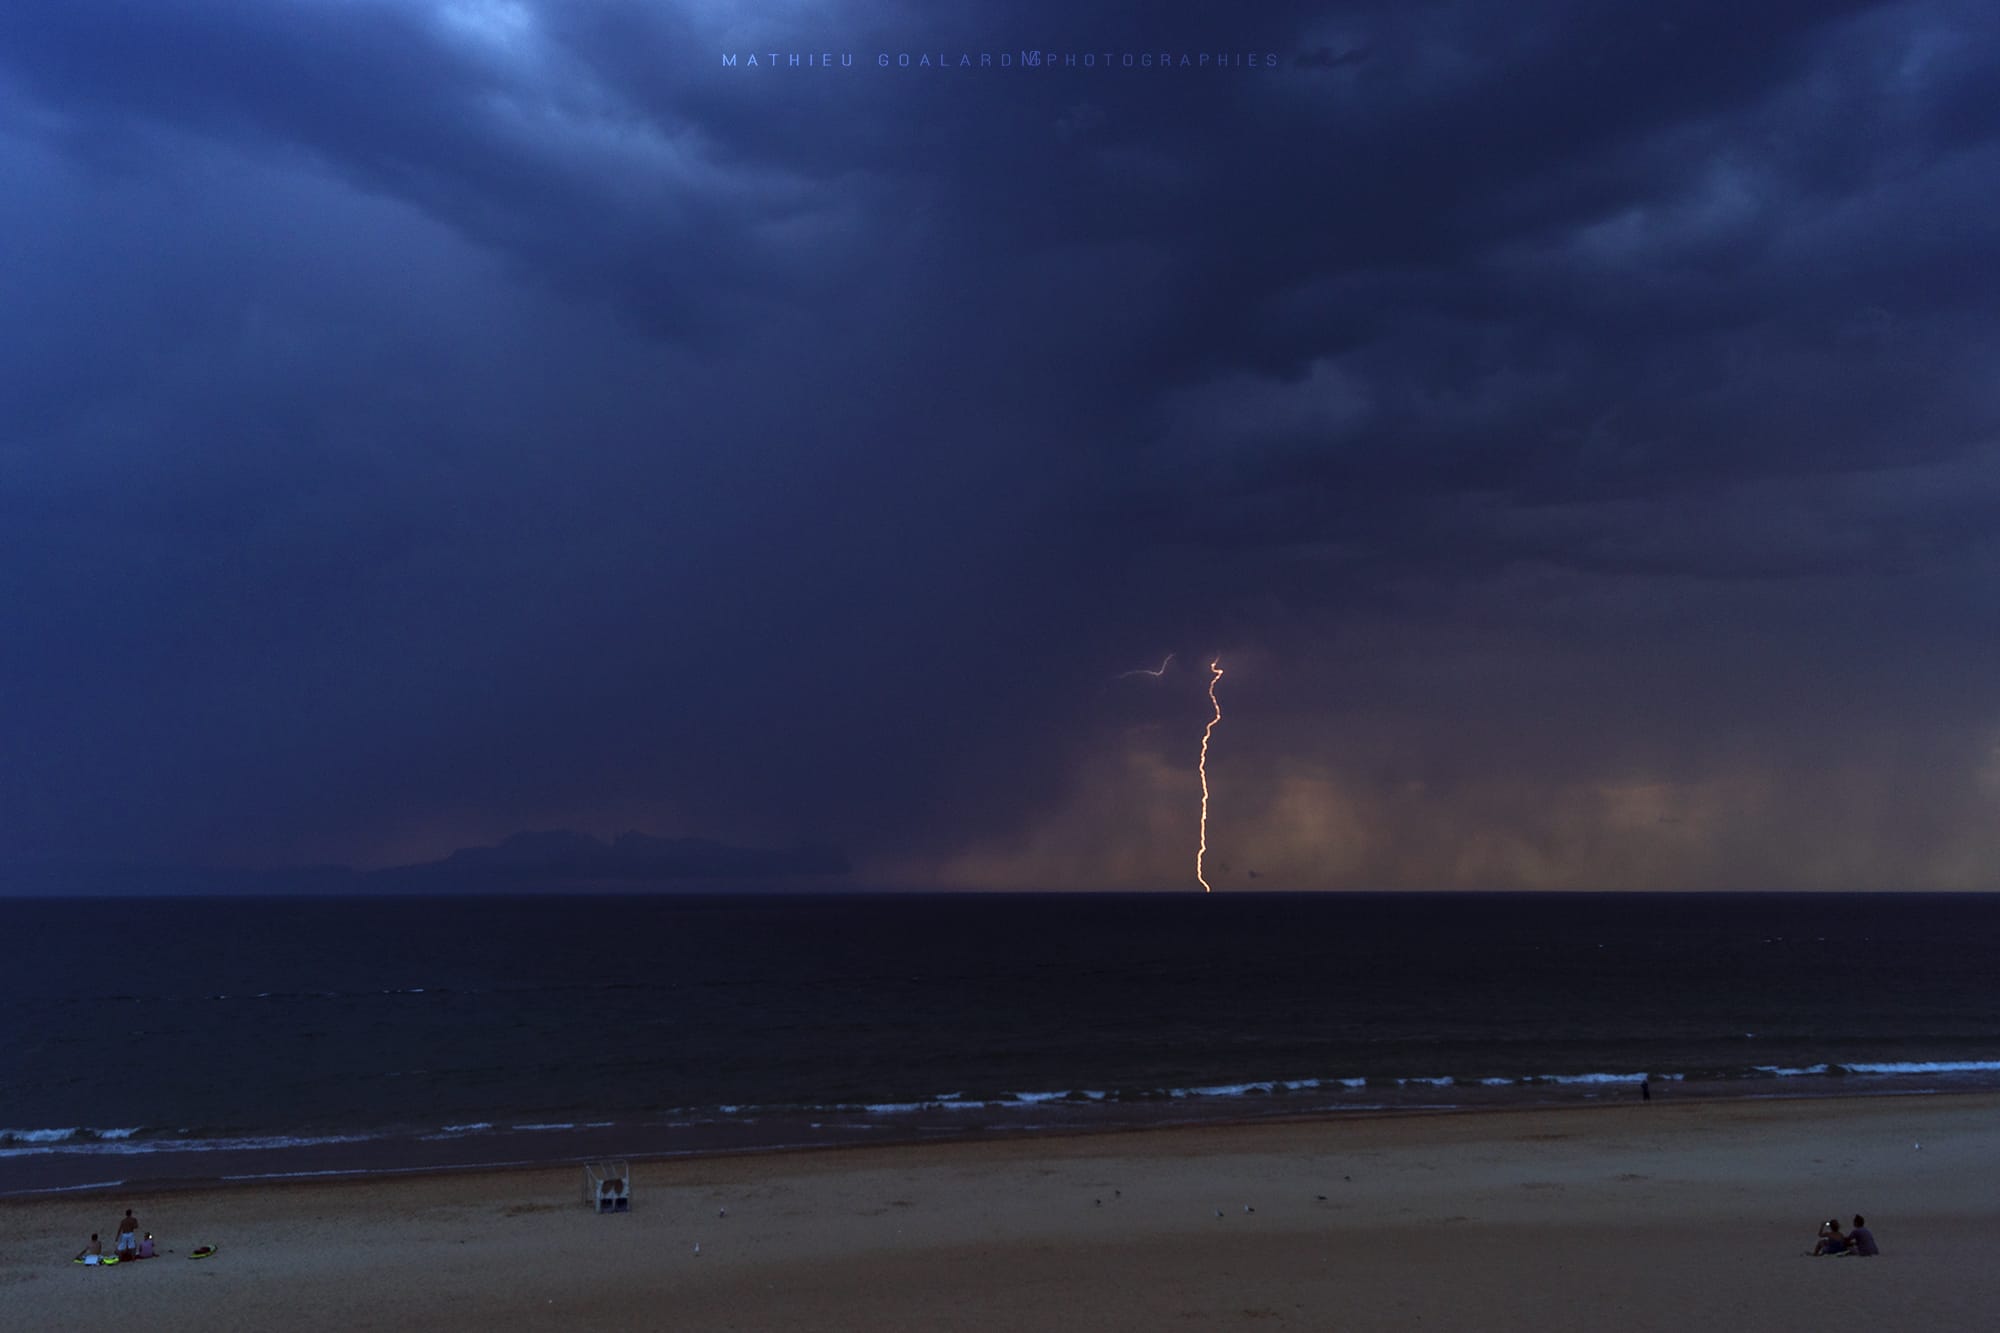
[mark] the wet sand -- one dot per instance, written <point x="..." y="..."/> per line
<point x="1634" y="1216"/>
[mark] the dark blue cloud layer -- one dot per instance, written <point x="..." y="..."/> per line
<point x="419" y="428"/>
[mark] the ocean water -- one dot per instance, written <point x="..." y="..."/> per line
<point x="194" y="1039"/>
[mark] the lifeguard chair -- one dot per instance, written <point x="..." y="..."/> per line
<point x="607" y="1186"/>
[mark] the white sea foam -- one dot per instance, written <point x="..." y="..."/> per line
<point x="385" y="1171"/>
<point x="74" y="1134"/>
<point x="1884" y="1067"/>
<point x="128" y="1147"/>
<point x="1222" y="1090"/>
<point x="1251" y="1088"/>
<point x="36" y="1135"/>
<point x="71" y="1189"/>
<point x="1927" y="1067"/>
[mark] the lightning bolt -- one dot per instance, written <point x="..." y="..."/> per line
<point x="1165" y="662"/>
<point x="1202" y="851"/>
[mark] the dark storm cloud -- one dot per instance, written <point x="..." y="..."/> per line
<point x="501" y="139"/>
<point x="430" y="420"/>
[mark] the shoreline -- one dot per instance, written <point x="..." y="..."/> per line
<point x="1542" y="1218"/>
<point x="895" y="1136"/>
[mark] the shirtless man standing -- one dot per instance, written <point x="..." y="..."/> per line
<point x="128" y="1236"/>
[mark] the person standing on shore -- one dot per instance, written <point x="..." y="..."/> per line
<point x="128" y="1236"/>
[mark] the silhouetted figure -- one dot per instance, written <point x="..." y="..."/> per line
<point x="1645" y="1090"/>
<point x="128" y="1236"/>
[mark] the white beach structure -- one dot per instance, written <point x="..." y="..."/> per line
<point x="607" y="1186"/>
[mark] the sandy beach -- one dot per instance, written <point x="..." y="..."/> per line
<point x="1631" y="1216"/>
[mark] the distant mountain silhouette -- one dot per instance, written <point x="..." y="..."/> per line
<point x="554" y="859"/>
<point x="563" y="855"/>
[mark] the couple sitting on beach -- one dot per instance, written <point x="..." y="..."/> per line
<point x="1859" y="1241"/>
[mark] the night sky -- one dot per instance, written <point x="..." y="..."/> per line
<point x="1574" y="427"/>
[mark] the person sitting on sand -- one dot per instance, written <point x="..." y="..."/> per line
<point x="1830" y="1239"/>
<point x="146" y="1249"/>
<point x="1861" y="1240"/>
<point x="92" y="1253"/>
<point x="128" y="1236"/>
